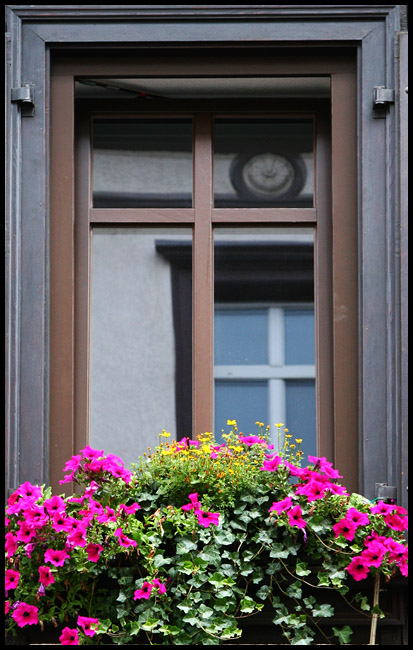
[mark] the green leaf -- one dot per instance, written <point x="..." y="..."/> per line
<point x="323" y="611"/>
<point x="279" y="551"/>
<point x="343" y="634"/>
<point x="301" y="568"/>
<point x="248" y="605"/>
<point x="184" y="545"/>
<point x="263" y="592"/>
<point x="294" y="590"/>
<point x="150" y="624"/>
<point x="205" y="612"/>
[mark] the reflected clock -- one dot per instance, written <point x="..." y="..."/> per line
<point x="267" y="175"/>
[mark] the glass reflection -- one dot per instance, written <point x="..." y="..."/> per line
<point x="141" y="326"/>
<point x="267" y="163"/>
<point x="142" y="163"/>
<point x="264" y="330"/>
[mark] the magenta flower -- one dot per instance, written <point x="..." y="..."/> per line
<point x="251" y="440"/>
<point x="86" y="625"/>
<point x="25" y="532"/>
<point x="55" y="557"/>
<point x="88" y="452"/>
<point x="194" y="505"/>
<point x="280" y="506"/>
<point x="129" y="510"/>
<point x="55" y="505"/>
<point x="145" y="592"/>
<point x="205" y="519"/>
<point x="69" y="637"/>
<point x="11" y="579"/>
<point x="395" y="522"/>
<point x="295" y="518"/>
<point x="72" y="464"/>
<point x="123" y="539"/>
<point x="271" y="465"/>
<point x="93" y="552"/>
<point x="322" y="464"/>
<point x="381" y="508"/>
<point x="11" y="544"/>
<point x="29" y="492"/>
<point x="358" y="518"/>
<point x="346" y="528"/>
<point x="374" y="553"/>
<point x="60" y="522"/>
<point x="35" y="516"/>
<point x="396" y="550"/>
<point x="77" y="538"/>
<point x="161" y="587"/>
<point x="358" y="568"/>
<point x="46" y="576"/>
<point x="313" y="490"/>
<point x="25" y="614"/>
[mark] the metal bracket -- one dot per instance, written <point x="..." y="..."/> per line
<point x="383" y="97"/>
<point x="25" y="97"/>
<point x="386" y="492"/>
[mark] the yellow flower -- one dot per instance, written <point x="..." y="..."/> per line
<point x="298" y="440"/>
<point x="280" y="424"/>
<point x="232" y="422"/>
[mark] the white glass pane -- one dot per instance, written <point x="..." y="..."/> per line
<point x="136" y="351"/>
<point x="300" y="414"/>
<point x="244" y="401"/>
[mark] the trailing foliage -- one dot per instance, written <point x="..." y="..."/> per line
<point x="199" y="536"/>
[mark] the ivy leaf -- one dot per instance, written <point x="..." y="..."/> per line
<point x="343" y="634"/>
<point x="294" y="590"/>
<point x="323" y="611"/>
<point x="279" y="551"/>
<point x="301" y="568"/>
<point x="150" y="624"/>
<point x="248" y="605"/>
<point x="184" y="545"/>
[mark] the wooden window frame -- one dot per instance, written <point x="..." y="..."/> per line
<point x="334" y="218"/>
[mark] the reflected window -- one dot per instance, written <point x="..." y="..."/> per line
<point x="140" y="339"/>
<point x="264" y="336"/>
<point x="142" y="163"/>
<point x="263" y="163"/>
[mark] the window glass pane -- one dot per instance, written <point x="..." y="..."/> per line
<point x="244" y="401"/>
<point x="299" y="336"/>
<point x="300" y="415"/>
<point x="142" y="163"/>
<point x="241" y="337"/>
<point x="141" y="326"/>
<point x="266" y="163"/>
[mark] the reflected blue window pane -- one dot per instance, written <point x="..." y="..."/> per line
<point x="299" y="336"/>
<point x="244" y="401"/>
<point x="241" y="336"/>
<point x="300" y="414"/>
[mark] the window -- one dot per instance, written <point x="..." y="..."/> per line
<point x="234" y="201"/>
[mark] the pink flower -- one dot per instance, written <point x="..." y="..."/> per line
<point x="86" y="624"/>
<point x="161" y="587"/>
<point x="381" y="508"/>
<point x="313" y="490"/>
<point x="358" y="568"/>
<point x="396" y="551"/>
<point x="69" y="637"/>
<point x="129" y="510"/>
<point x="271" y="465"/>
<point x="395" y="522"/>
<point x="295" y="518"/>
<point x="25" y="614"/>
<point x="88" y="452"/>
<point x="29" y="492"/>
<point x="55" y="557"/>
<point x="77" y="538"/>
<point x="194" y="505"/>
<point x="93" y="552"/>
<point x="11" y="544"/>
<point x="251" y="440"/>
<point x="25" y="532"/>
<point x="322" y="464"/>
<point x="346" y="528"/>
<point x="6" y="607"/>
<point x="374" y="553"/>
<point x="46" y="576"/>
<point x="205" y="519"/>
<point x="145" y="592"/>
<point x="11" y="579"/>
<point x="73" y="464"/>
<point x="55" y="505"/>
<point x="280" y="506"/>
<point x="358" y="518"/>
<point x="123" y="539"/>
<point x="60" y="522"/>
<point x="109" y="515"/>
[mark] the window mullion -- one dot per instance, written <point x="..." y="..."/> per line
<point x="202" y="278"/>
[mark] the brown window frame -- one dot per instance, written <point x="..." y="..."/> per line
<point x="334" y="218"/>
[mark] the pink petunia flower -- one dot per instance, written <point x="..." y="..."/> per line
<point x="29" y="492"/>
<point x="374" y="553"/>
<point x="251" y="440"/>
<point x="55" y="557"/>
<point x="280" y="506"/>
<point x="381" y="508"/>
<point x="87" y="623"/>
<point x="205" y="519"/>
<point x="322" y="464"/>
<point x="25" y="532"/>
<point x="11" y="544"/>
<point x="346" y="528"/>
<point x="88" y="452"/>
<point x="194" y="505"/>
<point x="145" y="592"/>
<point x="69" y="637"/>
<point x="7" y="607"/>
<point x="77" y="538"/>
<point x="11" y="579"/>
<point x="161" y="587"/>
<point x="358" y="568"/>
<point x="395" y="522"/>
<point x="295" y="517"/>
<point x="46" y="576"/>
<point x="25" y="614"/>
<point x="93" y="552"/>
<point x="129" y="510"/>
<point x="358" y="518"/>
<point x="123" y="539"/>
<point x="271" y="465"/>
<point x="55" y="505"/>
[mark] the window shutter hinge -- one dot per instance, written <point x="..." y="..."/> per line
<point x="384" y="492"/>
<point x="383" y="97"/>
<point x="24" y="96"/>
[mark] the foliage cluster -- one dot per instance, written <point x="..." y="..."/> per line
<point x="197" y="537"/>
